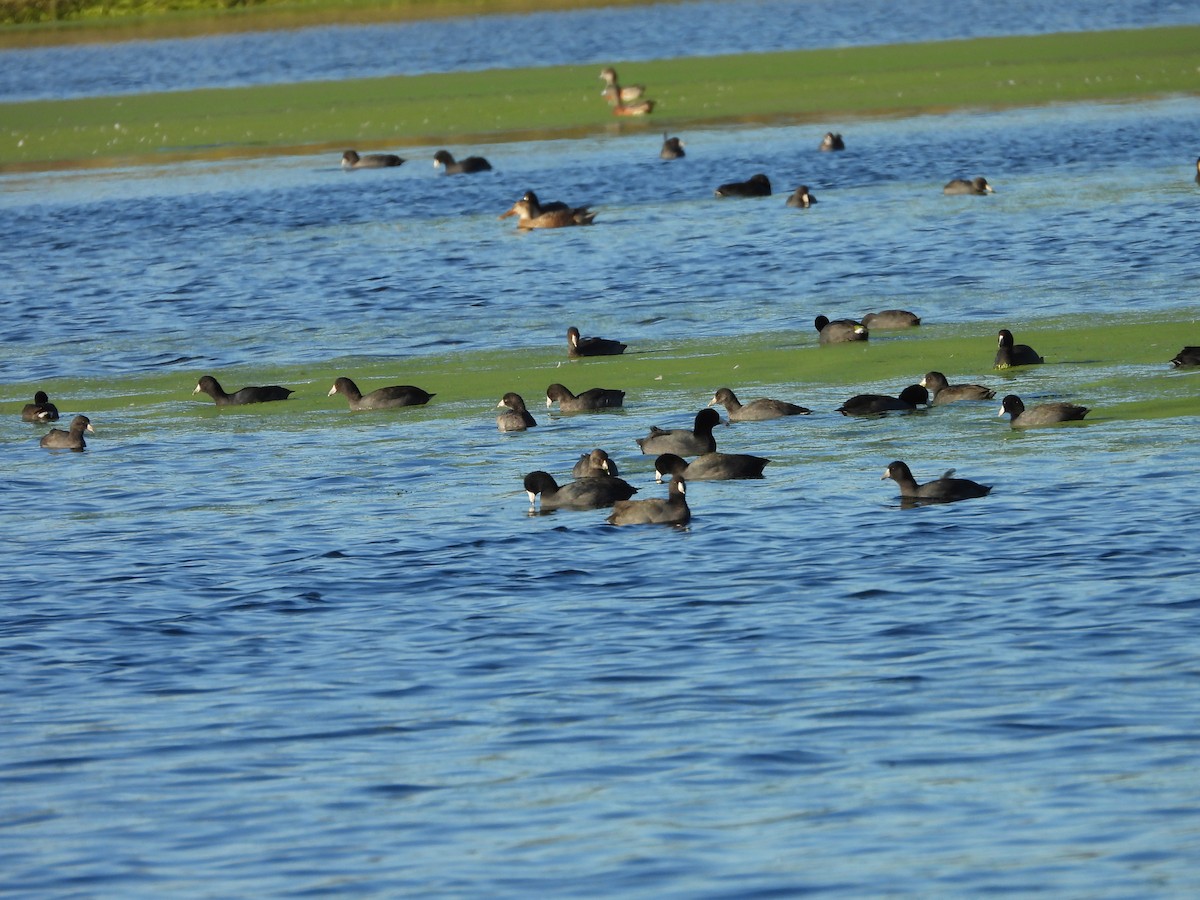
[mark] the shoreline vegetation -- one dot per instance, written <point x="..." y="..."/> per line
<point x="559" y="102"/>
<point x="32" y="23"/>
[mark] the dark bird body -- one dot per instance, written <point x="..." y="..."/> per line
<point x="1042" y="414"/>
<point x="671" y="511"/>
<point x="1009" y="354"/>
<point x="682" y="442"/>
<point x="910" y="399"/>
<point x="57" y="439"/>
<point x="756" y="410"/>
<point x="577" y="345"/>
<point x="942" y="391"/>
<point x="209" y="385"/>
<point x="382" y="398"/>
<point x="584" y="493"/>
<point x="40" y="410"/>
<point x="944" y="490"/>
<point x="710" y="467"/>
<point x="593" y="398"/>
<point x="755" y="186"/>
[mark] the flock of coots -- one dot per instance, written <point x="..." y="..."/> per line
<point x="597" y="483"/>
<point x="681" y="454"/>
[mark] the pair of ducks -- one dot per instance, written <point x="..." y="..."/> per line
<point x="625" y="100"/>
<point x="351" y="159"/>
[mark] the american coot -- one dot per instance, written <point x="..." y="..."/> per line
<point x="382" y="398"/>
<point x="943" y="391"/>
<point x="681" y="441"/>
<point x="1188" y="356"/>
<point x="40" y="410"/>
<point x="615" y="92"/>
<point x="710" y="467"/>
<point x="209" y="385"/>
<point x="532" y="214"/>
<point x="597" y="464"/>
<point x="944" y="490"/>
<point x="593" y="398"/>
<point x="515" y="416"/>
<point x="832" y="141"/>
<point x="57" y="439"/>
<point x="586" y="493"/>
<point x="801" y="198"/>
<point x="840" y="331"/>
<point x="756" y="410"/>
<point x="891" y="318"/>
<point x="974" y="186"/>
<point x="351" y="160"/>
<point x="755" y="186"/>
<point x="591" y="346"/>
<point x="1042" y="414"/>
<point x="910" y="398"/>
<point x="671" y="511"/>
<point x="468" y="166"/>
<point x="1009" y="354"/>
<point x="672" y="148"/>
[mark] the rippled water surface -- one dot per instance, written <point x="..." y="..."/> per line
<point x="595" y="35"/>
<point x="286" y="650"/>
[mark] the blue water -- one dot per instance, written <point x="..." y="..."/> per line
<point x="288" y="651"/>
<point x="600" y="36"/>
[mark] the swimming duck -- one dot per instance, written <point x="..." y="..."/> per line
<point x="710" y="467"/>
<point x="1043" y="414"/>
<point x="351" y="160"/>
<point x="974" y="186"/>
<point x="382" y="398"/>
<point x="910" y="398"/>
<point x="946" y="489"/>
<point x="591" y="346"/>
<point x="209" y="385"/>
<point x="467" y="166"/>
<point x="891" y="318"/>
<point x="832" y="141"/>
<point x="594" y="398"/>
<point x="840" y="331"/>
<point x="801" y="198"/>
<point x="532" y="214"/>
<point x="515" y="416"/>
<point x="40" y="410"/>
<point x="597" y="464"/>
<point x="681" y="441"/>
<point x="616" y="93"/>
<point x="57" y="439"/>
<point x="756" y="410"/>
<point x="1188" y="356"/>
<point x="1009" y="354"/>
<point x="672" y="148"/>
<point x="584" y="493"/>
<point x="637" y="108"/>
<point x="671" y="511"/>
<point x="756" y="186"/>
<point x="943" y="391"/>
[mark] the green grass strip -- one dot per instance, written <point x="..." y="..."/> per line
<point x="1120" y="363"/>
<point x="564" y="101"/>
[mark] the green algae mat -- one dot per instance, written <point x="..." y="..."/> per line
<point x="1119" y="364"/>
<point x="521" y="104"/>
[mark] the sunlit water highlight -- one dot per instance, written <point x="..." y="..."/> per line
<point x="271" y="652"/>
